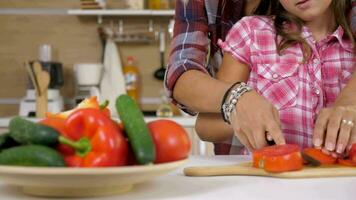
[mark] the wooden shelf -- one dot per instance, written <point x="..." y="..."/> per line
<point x="122" y="12"/>
<point x="33" y="11"/>
<point x="79" y="12"/>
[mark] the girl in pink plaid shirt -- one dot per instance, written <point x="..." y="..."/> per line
<point x="298" y="59"/>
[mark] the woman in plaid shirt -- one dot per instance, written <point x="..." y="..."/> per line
<point x="198" y="26"/>
<point x="297" y="59"/>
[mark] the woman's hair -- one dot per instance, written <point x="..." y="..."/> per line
<point x="340" y="10"/>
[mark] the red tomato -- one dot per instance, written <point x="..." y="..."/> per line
<point x="171" y="140"/>
<point x="278" y="158"/>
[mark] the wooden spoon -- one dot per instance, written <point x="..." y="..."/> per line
<point x="37" y="69"/>
<point x="43" y="80"/>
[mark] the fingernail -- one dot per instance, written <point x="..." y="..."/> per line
<point x="330" y="146"/>
<point x="339" y="148"/>
<point x="325" y="151"/>
<point x="334" y="155"/>
<point x="317" y="142"/>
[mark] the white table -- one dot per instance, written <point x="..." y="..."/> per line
<point x="176" y="186"/>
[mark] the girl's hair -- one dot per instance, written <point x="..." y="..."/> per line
<point x="340" y="9"/>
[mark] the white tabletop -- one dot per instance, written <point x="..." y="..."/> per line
<point x="178" y="187"/>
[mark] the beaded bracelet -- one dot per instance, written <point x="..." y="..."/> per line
<point x="234" y="95"/>
<point x="224" y="99"/>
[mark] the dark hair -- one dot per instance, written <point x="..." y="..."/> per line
<point x="340" y="8"/>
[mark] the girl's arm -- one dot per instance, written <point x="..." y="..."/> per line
<point x="210" y="126"/>
<point x="255" y="115"/>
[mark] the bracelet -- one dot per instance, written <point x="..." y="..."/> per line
<point x="234" y="95"/>
<point x="224" y="99"/>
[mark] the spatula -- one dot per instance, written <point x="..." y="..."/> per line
<point x="43" y="80"/>
<point x="31" y="74"/>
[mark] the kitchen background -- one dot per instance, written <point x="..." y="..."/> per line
<point x="26" y="25"/>
<point x="74" y="37"/>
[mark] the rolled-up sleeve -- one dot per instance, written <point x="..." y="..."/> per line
<point x="190" y="44"/>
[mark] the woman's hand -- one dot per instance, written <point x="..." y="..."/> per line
<point x="335" y="129"/>
<point x="254" y="118"/>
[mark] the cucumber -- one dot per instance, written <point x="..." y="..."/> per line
<point x="31" y="155"/>
<point x="6" y="141"/>
<point x="136" y="129"/>
<point x="27" y="132"/>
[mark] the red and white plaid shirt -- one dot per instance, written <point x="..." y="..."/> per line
<point x="298" y="90"/>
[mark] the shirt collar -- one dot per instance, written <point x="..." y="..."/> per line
<point x="338" y="34"/>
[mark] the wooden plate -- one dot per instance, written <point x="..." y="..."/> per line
<point x="81" y="182"/>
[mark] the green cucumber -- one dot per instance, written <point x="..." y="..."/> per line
<point x="136" y="129"/>
<point x="27" y="132"/>
<point x="31" y="155"/>
<point x="6" y="141"/>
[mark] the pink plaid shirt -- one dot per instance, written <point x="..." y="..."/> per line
<point x="298" y="90"/>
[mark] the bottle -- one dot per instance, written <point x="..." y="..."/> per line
<point x="132" y="79"/>
<point x="164" y="109"/>
<point x="154" y="4"/>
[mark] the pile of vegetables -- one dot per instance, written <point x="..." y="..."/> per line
<point x="290" y="157"/>
<point x="87" y="137"/>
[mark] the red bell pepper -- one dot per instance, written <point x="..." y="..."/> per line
<point x="92" y="140"/>
<point x="317" y="157"/>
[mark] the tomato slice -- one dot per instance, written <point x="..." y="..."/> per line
<point x="317" y="157"/>
<point x="346" y="162"/>
<point x="278" y="158"/>
<point x="352" y="153"/>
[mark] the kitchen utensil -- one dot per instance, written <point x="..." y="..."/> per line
<point x="88" y="74"/>
<point x="160" y="72"/>
<point x="34" y="101"/>
<point x="43" y="81"/>
<point x="45" y="53"/>
<point x="81" y="182"/>
<point x="247" y="169"/>
<point x="31" y="74"/>
<point x="55" y="71"/>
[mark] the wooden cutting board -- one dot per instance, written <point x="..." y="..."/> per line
<point x="246" y="169"/>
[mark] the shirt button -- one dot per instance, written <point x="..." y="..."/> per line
<point x="317" y="91"/>
<point x="275" y="76"/>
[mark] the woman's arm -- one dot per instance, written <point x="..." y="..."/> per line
<point x="187" y="78"/>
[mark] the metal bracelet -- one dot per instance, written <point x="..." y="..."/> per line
<point x="233" y="98"/>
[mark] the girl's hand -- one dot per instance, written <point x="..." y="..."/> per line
<point x="335" y="129"/>
<point x="254" y="118"/>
